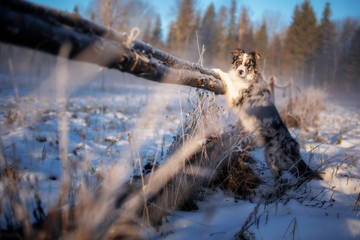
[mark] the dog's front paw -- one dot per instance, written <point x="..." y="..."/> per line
<point x="221" y="73"/>
<point x="218" y="71"/>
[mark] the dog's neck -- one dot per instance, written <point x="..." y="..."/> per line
<point x="237" y="82"/>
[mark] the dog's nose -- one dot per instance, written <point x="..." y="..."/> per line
<point x="241" y="72"/>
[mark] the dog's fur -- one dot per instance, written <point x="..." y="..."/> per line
<point x="248" y="95"/>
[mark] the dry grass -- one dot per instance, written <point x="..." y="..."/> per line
<point x="238" y="176"/>
<point x="304" y="111"/>
<point x="206" y="167"/>
<point x="205" y="153"/>
<point x="110" y="208"/>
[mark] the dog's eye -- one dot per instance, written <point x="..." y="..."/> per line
<point x="249" y="64"/>
<point x="238" y="62"/>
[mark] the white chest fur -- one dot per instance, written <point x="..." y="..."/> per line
<point x="235" y="85"/>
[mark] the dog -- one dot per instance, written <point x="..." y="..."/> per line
<point x="248" y="95"/>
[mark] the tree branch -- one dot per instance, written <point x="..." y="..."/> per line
<point x="170" y="60"/>
<point x="36" y="27"/>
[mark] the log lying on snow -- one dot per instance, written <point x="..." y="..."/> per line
<point x="44" y="29"/>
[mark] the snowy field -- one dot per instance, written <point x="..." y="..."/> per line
<point x="125" y="126"/>
<point x="328" y="209"/>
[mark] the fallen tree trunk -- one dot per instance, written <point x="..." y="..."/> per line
<point x="47" y="30"/>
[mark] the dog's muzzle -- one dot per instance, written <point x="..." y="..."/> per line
<point x="242" y="71"/>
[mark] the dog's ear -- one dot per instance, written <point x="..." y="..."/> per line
<point x="256" y="56"/>
<point x="236" y="52"/>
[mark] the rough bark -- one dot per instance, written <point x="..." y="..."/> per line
<point x="36" y="27"/>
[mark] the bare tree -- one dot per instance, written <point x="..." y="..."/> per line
<point x="121" y="15"/>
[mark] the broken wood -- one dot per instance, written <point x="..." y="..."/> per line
<point x="45" y="29"/>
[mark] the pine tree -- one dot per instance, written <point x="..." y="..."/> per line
<point x="93" y="16"/>
<point x="194" y="43"/>
<point x="301" y="43"/>
<point x="344" y="44"/>
<point x="147" y="31"/>
<point x="352" y="69"/>
<point x="76" y="10"/>
<point x="231" y="33"/>
<point x="261" y="40"/>
<point x="184" y="27"/>
<point x="171" y="41"/>
<point x="156" y="34"/>
<point x="197" y="21"/>
<point x="249" y="41"/>
<point x="325" y="59"/>
<point x="221" y="55"/>
<point x="207" y="32"/>
<point x="274" y="57"/>
<point x="245" y="32"/>
<point x="243" y="27"/>
<point x="196" y="28"/>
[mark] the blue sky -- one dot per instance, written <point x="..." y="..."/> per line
<point x="280" y="9"/>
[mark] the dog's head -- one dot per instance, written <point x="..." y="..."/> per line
<point x="245" y="64"/>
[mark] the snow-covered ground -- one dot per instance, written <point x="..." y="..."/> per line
<point x="107" y="128"/>
<point x="128" y="122"/>
<point x="328" y="209"/>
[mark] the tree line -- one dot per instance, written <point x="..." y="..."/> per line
<point x="321" y="52"/>
<point x="310" y="51"/>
